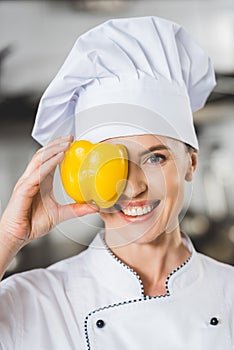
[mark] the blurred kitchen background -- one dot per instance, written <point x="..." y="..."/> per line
<point x="36" y="36"/>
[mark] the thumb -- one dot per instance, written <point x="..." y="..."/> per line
<point x="71" y="211"/>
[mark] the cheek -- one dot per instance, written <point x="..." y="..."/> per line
<point x="175" y="194"/>
<point x="174" y="182"/>
<point x="164" y="182"/>
<point x="157" y="184"/>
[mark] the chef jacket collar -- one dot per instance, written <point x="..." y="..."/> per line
<point x="124" y="282"/>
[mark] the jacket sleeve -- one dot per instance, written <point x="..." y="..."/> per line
<point x="10" y="315"/>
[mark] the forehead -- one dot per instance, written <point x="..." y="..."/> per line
<point x="138" y="143"/>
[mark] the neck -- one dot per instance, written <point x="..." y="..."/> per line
<point x="155" y="260"/>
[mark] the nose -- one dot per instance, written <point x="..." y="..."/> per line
<point x="136" y="181"/>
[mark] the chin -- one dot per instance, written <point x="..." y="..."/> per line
<point x="150" y="237"/>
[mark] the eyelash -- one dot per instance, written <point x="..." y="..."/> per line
<point x="157" y="155"/>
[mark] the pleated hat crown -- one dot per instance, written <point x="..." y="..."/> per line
<point x="127" y="76"/>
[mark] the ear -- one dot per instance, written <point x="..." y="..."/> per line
<point x="191" y="166"/>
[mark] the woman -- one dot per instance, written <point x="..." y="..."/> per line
<point x="140" y="284"/>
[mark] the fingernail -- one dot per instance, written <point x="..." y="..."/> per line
<point x="67" y="137"/>
<point x="65" y="144"/>
<point x="59" y="154"/>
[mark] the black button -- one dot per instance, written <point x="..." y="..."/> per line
<point x="100" y="323"/>
<point x="214" y="321"/>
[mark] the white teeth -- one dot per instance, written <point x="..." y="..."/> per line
<point x="127" y="212"/>
<point x="138" y="211"/>
<point x="145" y="210"/>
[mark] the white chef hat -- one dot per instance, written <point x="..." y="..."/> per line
<point x="127" y="76"/>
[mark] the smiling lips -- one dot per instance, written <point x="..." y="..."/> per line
<point x="135" y="209"/>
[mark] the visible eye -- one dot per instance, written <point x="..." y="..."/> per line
<point x="156" y="159"/>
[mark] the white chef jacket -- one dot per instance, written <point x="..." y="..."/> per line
<point x="93" y="301"/>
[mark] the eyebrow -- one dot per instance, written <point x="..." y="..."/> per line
<point x="154" y="148"/>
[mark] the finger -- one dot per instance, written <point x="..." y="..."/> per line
<point x="46" y="186"/>
<point x="45" y="154"/>
<point x="49" y="151"/>
<point x="39" y="175"/>
<point x="59" y="140"/>
<point x="29" y="185"/>
<point x="74" y="210"/>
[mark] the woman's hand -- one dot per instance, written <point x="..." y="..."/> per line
<point x="32" y="210"/>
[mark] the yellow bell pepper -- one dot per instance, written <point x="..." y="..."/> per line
<point x="94" y="172"/>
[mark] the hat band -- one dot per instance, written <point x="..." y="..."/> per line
<point x="134" y="107"/>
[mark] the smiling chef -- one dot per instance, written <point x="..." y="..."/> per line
<point x="125" y="97"/>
